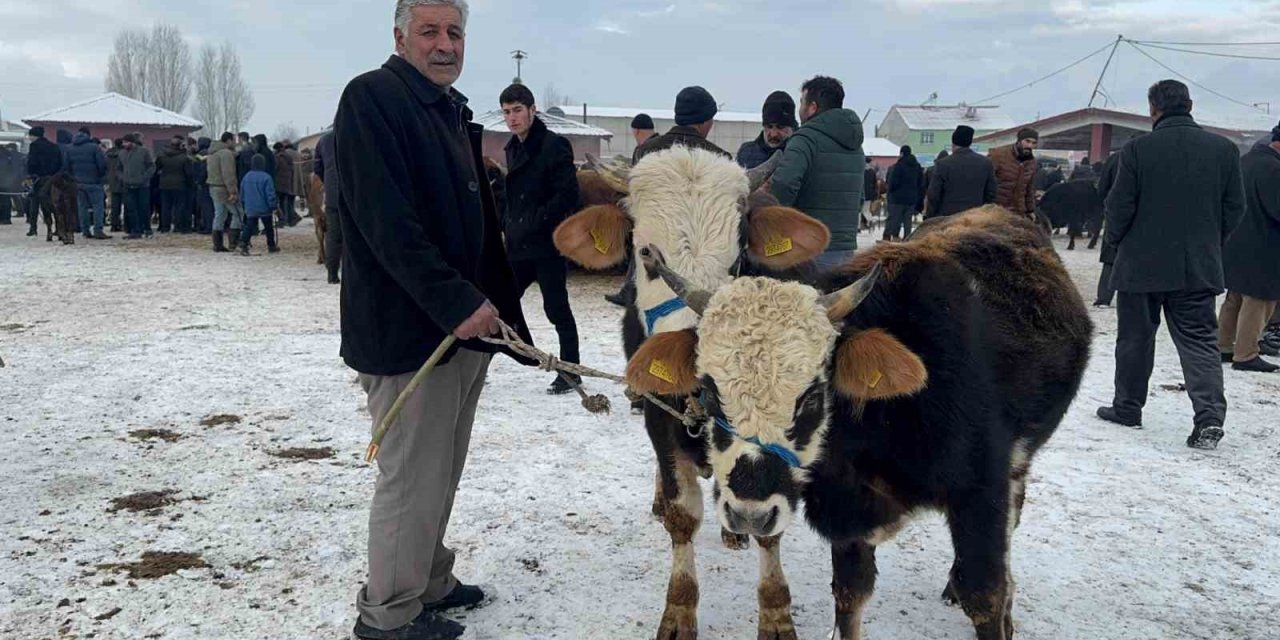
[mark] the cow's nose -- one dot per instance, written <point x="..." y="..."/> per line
<point x="756" y="522"/>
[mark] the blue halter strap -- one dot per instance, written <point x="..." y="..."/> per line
<point x="652" y="316"/>
<point x="778" y="451"/>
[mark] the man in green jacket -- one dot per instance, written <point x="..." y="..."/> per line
<point x="821" y="171"/>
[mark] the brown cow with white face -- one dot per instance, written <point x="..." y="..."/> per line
<point x="708" y="218"/>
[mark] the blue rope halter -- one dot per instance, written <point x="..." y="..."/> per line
<point x="652" y="316"/>
<point x="778" y="451"/>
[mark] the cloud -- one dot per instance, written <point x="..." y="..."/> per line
<point x="609" y="26"/>
<point x="665" y="11"/>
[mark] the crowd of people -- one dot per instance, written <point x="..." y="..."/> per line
<point x="190" y="186"/>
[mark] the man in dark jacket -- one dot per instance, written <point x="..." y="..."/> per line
<point x="424" y="260"/>
<point x="542" y="190"/>
<point x="1015" y="167"/>
<point x="779" y="119"/>
<point x="115" y="184"/>
<point x="821" y="171"/>
<point x="962" y="181"/>
<point x="695" y="116"/>
<point x="870" y="191"/>
<point x="906" y="194"/>
<point x="88" y="165"/>
<point x="137" y="167"/>
<point x="44" y="160"/>
<point x="12" y="170"/>
<point x="928" y="178"/>
<point x="1106" y="293"/>
<point x="245" y="150"/>
<point x="326" y="168"/>
<point x="1177" y="197"/>
<point x="203" y="207"/>
<point x="285" y="187"/>
<point x="1251" y="261"/>
<point x="642" y="129"/>
<point x="1084" y="171"/>
<point x="174" y="168"/>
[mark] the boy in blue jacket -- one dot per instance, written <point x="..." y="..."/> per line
<point x="258" y="193"/>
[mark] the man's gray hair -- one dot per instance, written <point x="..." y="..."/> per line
<point x="404" y="10"/>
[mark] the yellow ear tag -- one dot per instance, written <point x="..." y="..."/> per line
<point x="874" y="379"/>
<point x="777" y="247"/>
<point x="661" y="371"/>
<point x="601" y="245"/>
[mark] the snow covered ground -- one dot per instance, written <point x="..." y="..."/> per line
<point x="1127" y="534"/>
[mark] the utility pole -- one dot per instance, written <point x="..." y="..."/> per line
<point x="1263" y="104"/>
<point x="1096" y="87"/>
<point x="519" y="56"/>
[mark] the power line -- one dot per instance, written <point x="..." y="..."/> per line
<point x="1193" y="82"/>
<point x="1207" y="53"/>
<point x="1028" y="85"/>
<point x="1210" y="44"/>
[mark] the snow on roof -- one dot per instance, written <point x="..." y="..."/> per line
<point x="113" y="108"/>
<point x="880" y="148"/>
<point x="664" y="114"/>
<point x="944" y="117"/>
<point x="493" y="121"/>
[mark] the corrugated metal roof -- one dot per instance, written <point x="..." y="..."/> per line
<point x="657" y="114"/>
<point x="945" y="117"/>
<point x="113" y="108"/>
<point x="880" y="148"/>
<point x="493" y="121"/>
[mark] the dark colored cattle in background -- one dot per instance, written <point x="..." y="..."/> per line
<point x="1077" y="206"/>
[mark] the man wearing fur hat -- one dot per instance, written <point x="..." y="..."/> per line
<point x="779" y="120"/>
<point x="963" y="181"/>
<point x="1015" y="167"/>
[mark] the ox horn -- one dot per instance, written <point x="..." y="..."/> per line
<point x="758" y="176"/>
<point x="654" y="261"/>
<point x="842" y="303"/>
<point x="617" y="180"/>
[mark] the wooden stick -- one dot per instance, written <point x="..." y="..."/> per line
<point x="371" y="453"/>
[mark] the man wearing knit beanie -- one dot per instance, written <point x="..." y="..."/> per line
<point x="963" y="181"/>
<point x="695" y="115"/>
<point x="779" y="119"/>
<point x="1015" y="167"/>
<point x="642" y="129"/>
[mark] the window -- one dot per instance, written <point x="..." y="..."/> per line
<point x="926" y="137"/>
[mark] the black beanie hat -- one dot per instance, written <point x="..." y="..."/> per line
<point x="37" y="132"/>
<point x="779" y="109"/>
<point x="1275" y="134"/>
<point x="694" y="105"/>
<point x="1027" y="133"/>
<point x="905" y="150"/>
<point x="963" y="137"/>
<point x="642" y="122"/>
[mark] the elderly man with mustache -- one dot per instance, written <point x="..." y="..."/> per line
<point x="423" y="260"/>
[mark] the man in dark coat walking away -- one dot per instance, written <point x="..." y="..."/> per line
<point x="906" y="194"/>
<point x="962" y="181"/>
<point x="695" y="116"/>
<point x="136" y="170"/>
<point x="424" y="260"/>
<point x="285" y="187"/>
<point x="1015" y="167"/>
<point x="541" y="191"/>
<point x="1178" y="196"/>
<point x="88" y="165"/>
<point x="822" y="170"/>
<point x="175" y="172"/>
<point x="779" y="119"/>
<point x="1251" y="261"/>
<point x="44" y="160"/>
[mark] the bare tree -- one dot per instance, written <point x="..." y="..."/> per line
<point x="153" y="67"/>
<point x="551" y="97"/>
<point x="169" y="68"/>
<point x="127" y="66"/>
<point x="223" y="101"/>
<point x="286" y="131"/>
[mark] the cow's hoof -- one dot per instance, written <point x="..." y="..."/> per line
<point x="949" y="596"/>
<point x="659" y="509"/>
<point x="735" y="541"/>
<point x="776" y="625"/>
<point x="678" y="623"/>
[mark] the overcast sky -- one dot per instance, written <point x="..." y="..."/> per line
<point x="638" y="53"/>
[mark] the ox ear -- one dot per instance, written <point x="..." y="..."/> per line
<point x="664" y="364"/>
<point x="781" y="238"/>
<point x="874" y="365"/>
<point x="595" y="237"/>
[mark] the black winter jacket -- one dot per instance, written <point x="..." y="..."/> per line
<point x="541" y="191"/>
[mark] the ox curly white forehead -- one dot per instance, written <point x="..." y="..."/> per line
<point x="763" y="342"/>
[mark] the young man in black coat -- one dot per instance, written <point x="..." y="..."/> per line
<point x="964" y="180"/>
<point x="541" y="191"/>
<point x="1178" y="195"/>
<point x="423" y="260"/>
<point x="44" y="160"/>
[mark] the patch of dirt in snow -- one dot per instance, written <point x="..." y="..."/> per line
<point x="158" y="564"/>
<point x="155" y="434"/>
<point x="219" y="420"/>
<point x="144" y="501"/>
<point x="305" y="453"/>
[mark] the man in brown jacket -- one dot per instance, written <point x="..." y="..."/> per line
<point x="224" y="190"/>
<point x="1015" y="167"/>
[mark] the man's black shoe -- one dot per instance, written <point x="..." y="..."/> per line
<point x="1256" y="365"/>
<point x="1110" y="415"/>
<point x="560" y="387"/>
<point x="1228" y="358"/>
<point x="1205" y="437"/>
<point x="1268" y="350"/>
<point x="463" y="596"/>
<point x="429" y="625"/>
